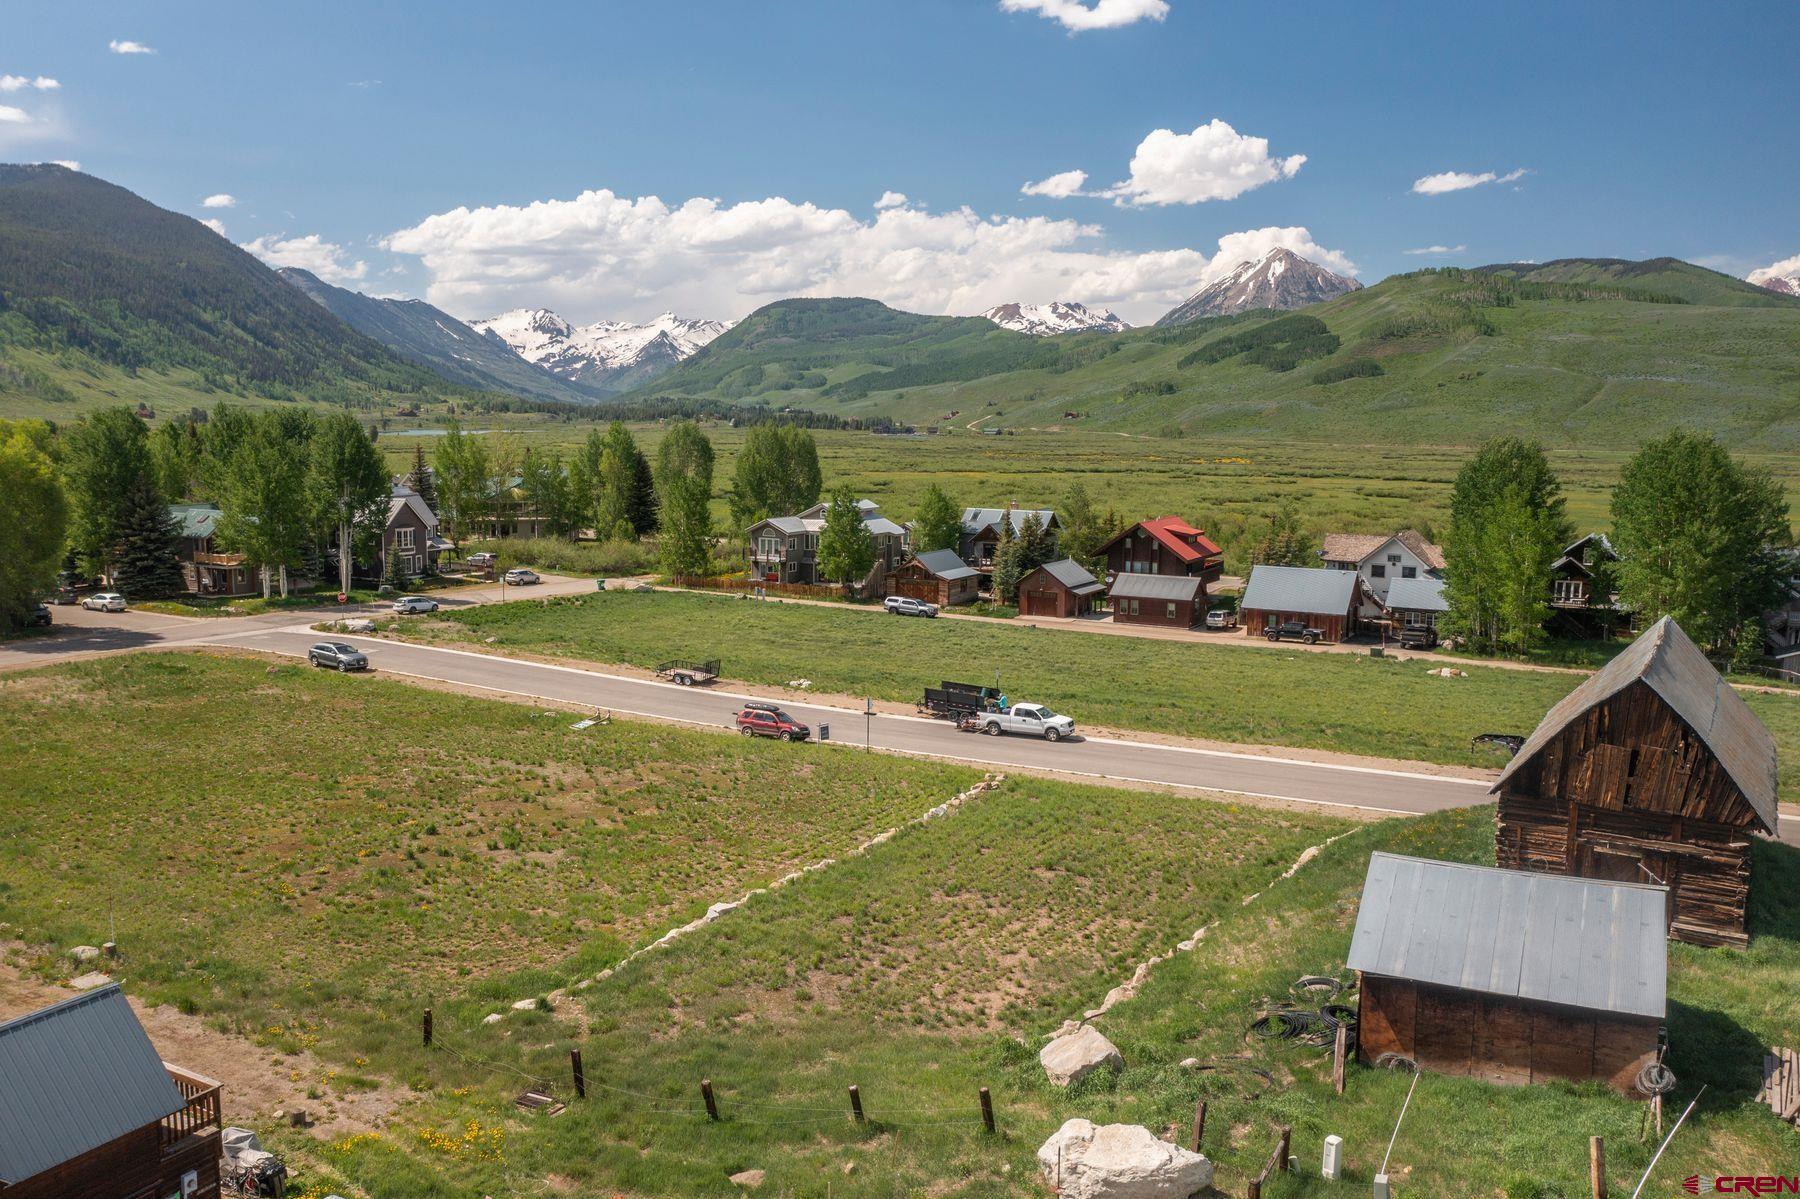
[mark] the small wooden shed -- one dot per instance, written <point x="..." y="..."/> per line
<point x="1654" y="770"/>
<point x="1508" y="976"/>
<point x="1061" y="588"/>
<point x="938" y="577"/>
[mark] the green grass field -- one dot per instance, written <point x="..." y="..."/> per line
<point x="357" y="847"/>
<point x="1348" y="702"/>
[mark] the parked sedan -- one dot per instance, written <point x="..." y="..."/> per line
<point x="518" y="576"/>
<point x="337" y="654"/>
<point x="104" y="601"/>
<point x="38" y="617"/>
<point x="411" y="605"/>
<point x="906" y="605"/>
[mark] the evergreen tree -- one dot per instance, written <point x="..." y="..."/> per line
<point x="1285" y="542"/>
<point x="34" y="531"/>
<point x="145" y="562"/>
<point x="420" y="478"/>
<point x="393" y="576"/>
<point x="1019" y="555"/>
<point x="938" y="524"/>
<point x="846" y="547"/>
<point x="1506" y="528"/>
<point x="1698" y="536"/>
<point x="645" y="507"/>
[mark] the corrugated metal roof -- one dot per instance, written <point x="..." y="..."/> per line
<point x="945" y="564"/>
<point x="77" y="1074"/>
<point x="1673" y="666"/>
<point x="976" y="519"/>
<point x="198" y="521"/>
<point x="1553" y="938"/>
<point x="882" y="525"/>
<point x="1156" y="587"/>
<point x="1299" y="589"/>
<point x="1417" y="595"/>
<point x="1073" y="575"/>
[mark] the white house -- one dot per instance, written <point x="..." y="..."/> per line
<point x="1382" y="560"/>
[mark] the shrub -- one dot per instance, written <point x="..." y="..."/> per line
<point x="615" y="556"/>
<point x="1361" y="368"/>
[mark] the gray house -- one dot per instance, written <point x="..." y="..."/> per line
<point x="785" y="549"/>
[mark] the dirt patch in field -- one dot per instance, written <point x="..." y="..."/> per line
<point x="257" y="1081"/>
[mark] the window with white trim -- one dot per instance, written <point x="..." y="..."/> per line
<point x="768" y="546"/>
<point x="403" y="537"/>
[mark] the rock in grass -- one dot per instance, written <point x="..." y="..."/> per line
<point x="1072" y="1057"/>
<point x="1119" y="1161"/>
<point x="84" y="953"/>
<point x="748" y="1178"/>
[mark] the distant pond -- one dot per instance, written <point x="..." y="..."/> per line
<point x="426" y="432"/>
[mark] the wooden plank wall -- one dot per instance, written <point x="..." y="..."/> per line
<point x="1500" y="1040"/>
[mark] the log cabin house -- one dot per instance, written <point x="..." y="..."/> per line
<point x="1508" y="976"/>
<point x="1653" y="770"/>
<point x="88" y="1109"/>
<point x="938" y="577"/>
<point x="1062" y="588"/>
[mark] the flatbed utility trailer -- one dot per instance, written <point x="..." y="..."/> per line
<point x="689" y="673"/>
<point x="956" y="700"/>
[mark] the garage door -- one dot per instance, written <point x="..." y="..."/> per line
<point x="919" y="589"/>
<point x="1040" y="603"/>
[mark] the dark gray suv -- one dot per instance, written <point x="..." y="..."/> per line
<point x="339" y="655"/>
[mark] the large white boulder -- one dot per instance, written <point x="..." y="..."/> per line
<point x="1119" y="1161"/>
<point x="1073" y="1056"/>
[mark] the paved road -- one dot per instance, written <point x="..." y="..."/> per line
<point x="1372" y="789"/>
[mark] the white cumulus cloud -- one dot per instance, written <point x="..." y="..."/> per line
<point x="1456" y="181"/>
<point x="121" y="46"/>
<point x="219" y="200"/>
<point x="1077" y="16"/>
<point x="18" y="83"/>
<point x="600" y="255"/>
<point x="1252" y="244"/>
<point x="328" y="260"/>
<point x="215" y="224"/>
<point x="1058" y="186"/>
<point x="14" y="116"/>
<point x="67" y="163"/>
<point x="891" y="199"/>
<point x="1456" y="249"/>
<point x="1787" y="268"/>
<point x="1214" y="162"/>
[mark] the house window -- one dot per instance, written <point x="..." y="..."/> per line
<point x="1171" y="614"/>
<point x="1131" y="606"/>
<point x="1377" y="571"/>
<point x="1393" y="559"/>
<point x="768" y="547"/>
<point x="1409" y="572"/>
<point x="414" y="566"/>
<point x="1567" y="591"/>
<point x="811" y="542"/>
<point x="403" y="538"/>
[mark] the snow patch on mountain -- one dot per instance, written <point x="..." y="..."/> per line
<point x="602" y="352"/>
<point x="1279" y="279"/>
<point x="1045" y="320"/>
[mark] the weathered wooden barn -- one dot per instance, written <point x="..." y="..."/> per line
<point x="1654" y="770"/>
<point x="1509" y="976"/>
<point x="937" y="577"/>
<point x="1062" y="588"/>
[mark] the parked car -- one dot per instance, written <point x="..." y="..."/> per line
<point x="482" y="559"/>
<point x="337" y="654"/>
<point x="1034" y="719"/>
<point x="518" y="576"/>
<point x="104" y="601"/>
<point x="1418" y="637"/>
<point x="906" y="605"/>
<point x="1221" y="618"/>
<point x="38" y="617"/>
<point x="767" y="720"/>
<point x="1294" y="630"/>
<point x="64" y="595"/>
<point x="409" y="605"/>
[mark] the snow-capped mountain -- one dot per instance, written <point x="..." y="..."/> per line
<point x="1044" y="320"/>
<point x="611" y="354"/>
<point x="1786" y="285"/>
<point x="1279" y="279"/>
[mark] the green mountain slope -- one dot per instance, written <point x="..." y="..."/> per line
<point x="431" y="337"/>
<point x="99" y="284"/>
<point x="1595" y="353"/>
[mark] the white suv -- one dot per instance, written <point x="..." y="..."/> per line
<point x="906" y="605"/>
<point x="104" y="601"/>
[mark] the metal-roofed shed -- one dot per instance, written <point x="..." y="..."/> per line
<point x="1062" y="588"/>
<point x="1322" y="599"/>
<point x="1173" y="601"/>
<point x="1509" y="976"/>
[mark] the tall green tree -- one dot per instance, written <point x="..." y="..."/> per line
<point x="1507" y="526"/>
<point x="545" y="486"/>
<point x="616" y="458"/>
<point x="264" y="512"/>
<point x="347" y="488"/>
<point x="1697" y="534"/>
<point x="36" y="527"/>
<point x="420" y="478"/>
<point x="104" y="457"/>
<point x="465" y="481"/>
<point x="1019" y="555"/>
<point x="846" y="547"/>
<point x="145" y="557"/>
<point x="645" y="509"/>
<point x="776" y="474"/>
<point x="1285" y="541"/>
<point x="684" y="483"/>
<point x="938" y="523"/>
<point x="176" y="453"/>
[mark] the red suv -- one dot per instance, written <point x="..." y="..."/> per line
<point x="766" y="720"/>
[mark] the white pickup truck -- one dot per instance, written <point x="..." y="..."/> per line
<point x="1034" y="719"/>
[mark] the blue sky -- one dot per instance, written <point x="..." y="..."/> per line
<point x="348" y="136"/>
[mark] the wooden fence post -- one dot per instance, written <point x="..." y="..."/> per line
<point x="425" y="1028"/>
<point x="580" y="1077"/>
<point x="987" y="1110"/>
<point x="712" y="1108"/>
<point x="1340" y="1049"/>
<point x="1597" y="1166"/>
<point x="1254" y="1189"/>
<point x="856" y="1111"/>
<point x="1282" y="1147"/>
<point x="1199" y="1123"/>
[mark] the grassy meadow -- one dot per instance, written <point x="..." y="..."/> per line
<point x="1348" y="702"/>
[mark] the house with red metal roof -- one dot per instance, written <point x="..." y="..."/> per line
<point x="1167" y="545"/>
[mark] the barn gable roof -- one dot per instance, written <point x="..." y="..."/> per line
<point x="1667" y="662"/>
<point x="1307" y="589"/>
<point x="1550" y="938"/>
<point x="1073" y="575"/>
<point x="945" y="565"/>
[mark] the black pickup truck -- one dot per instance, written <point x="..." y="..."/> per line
<point x="959" y="699"/>
<point x="1293" y="630"/>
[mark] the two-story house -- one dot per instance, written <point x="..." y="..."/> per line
<point x="1581" y="594"/>
<point x="1379" y="560"/>
<point x="1167" y="545"/>
<point x="785" y="549"/>
<point x="411" y="535"/>
<point x="205" y="568"/>
<point x="981" y="531"/>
